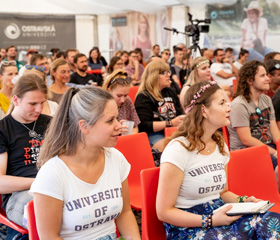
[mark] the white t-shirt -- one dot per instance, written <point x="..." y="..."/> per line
<point x="53" y="107"/>
<point x="253" y="28"/>
<point x="89" y="210"/>
<point x="237" y="64"/>
<point x="217" y="67"/>
<point x="204" y="176"/>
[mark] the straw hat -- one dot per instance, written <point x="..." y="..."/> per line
<point x="254" y="5"/>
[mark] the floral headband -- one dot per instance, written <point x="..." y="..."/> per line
<point x="198" y="95"/>
<point x="201" y="63"/>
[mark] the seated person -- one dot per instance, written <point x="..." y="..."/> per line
<point x="273" y="68"/>
<point x="49" y="107"/>
<point x="134" y="68"/>
<point x="156" y="104"/>
<point x="60" y="74"/>
<point x="82" y="182"/>
<point x="81" y="76"/>
<point x="118" y="84"/>
<point x="200" y="71"/>
<point x="223" y="71"/>
<point x="8" y="72"/>
<point x="252" y="116"/>
<point x="187" y="195"/>
<point x="21" y="136"/>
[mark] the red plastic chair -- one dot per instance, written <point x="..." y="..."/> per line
<point x="278" y="158"/>
<point x="94" y="71"/>
<point x="251" y="173"/>
<point x="152" y="227"/>
<point x="4" y="220"/>
<point x="136" y="149"/>
<point x="132" y="93"/>
<point x="32" y="227"/>
<point x="234" y="85"/>
<point x="226" y="136"/>
<point x="169" y="130"/>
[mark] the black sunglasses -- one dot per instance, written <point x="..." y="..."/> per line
<point x="259" y="113"/>
<point x="121" y="81"/>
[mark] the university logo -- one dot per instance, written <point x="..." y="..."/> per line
<point x="12" y="31"/>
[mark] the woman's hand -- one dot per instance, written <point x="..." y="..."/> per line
<point x="252" y="199"/>
<point x="177" y="120"/>
<point x="221" y="219"/>
<point x="124" y="128"/>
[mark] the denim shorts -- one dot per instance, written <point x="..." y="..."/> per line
<point x="155" y="137"/>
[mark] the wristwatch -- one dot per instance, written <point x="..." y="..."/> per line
<point x="168" y="123"/>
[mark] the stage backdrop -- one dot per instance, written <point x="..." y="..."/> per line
<point x="134" y="29"/>
<point x="228" y="21"/>
<point x="41" y="32"/>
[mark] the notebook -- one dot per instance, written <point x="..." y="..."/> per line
<point x="247" y="208"/>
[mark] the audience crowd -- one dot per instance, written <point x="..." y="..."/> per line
<point x="61" y="117"/>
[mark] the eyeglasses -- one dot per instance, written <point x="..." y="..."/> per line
<point x="39" y="68"/>
<point x="8" y="63"/>
<point x="166" y="53"/>
<point x="166" y="73"/>
<point x="259" y="113"/>
<point x="120" y="81"/>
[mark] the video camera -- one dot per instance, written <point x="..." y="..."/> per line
<point x="194" y="29"/>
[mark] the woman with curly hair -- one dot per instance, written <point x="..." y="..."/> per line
<point x="194" y="158"/>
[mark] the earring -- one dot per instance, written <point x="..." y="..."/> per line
<point x="205" y="117"/>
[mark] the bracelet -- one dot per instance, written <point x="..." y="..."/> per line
<point x="241" y="199"/>
<point x="275" y="154"/>
<point x="206" y="221"/>
<point x="168" y="123"/>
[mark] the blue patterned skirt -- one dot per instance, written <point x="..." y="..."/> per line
<point x="264" y="226"/>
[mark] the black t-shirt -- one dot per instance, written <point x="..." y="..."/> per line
<point x="276" y="104"/>
<point x="146" y="107"/>
<point x="77" y="79"/>
<point x="22" y="149"/>
<point x="103" y="60"/>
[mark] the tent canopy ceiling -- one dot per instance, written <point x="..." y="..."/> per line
<point x="95" y="7"/>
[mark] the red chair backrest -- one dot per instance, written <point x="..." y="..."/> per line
<point x="169" y="130"/>
<point x="152" y="227"/>
<point x="234" y="85"/>
<point x="226" y="135"/>
<point x="278" y="158"/>
<point x="94" y="71"/>
<point x="4" y="220"/>
<point x="136" y="149"/>
<point x="251" y="173"/>
<point x="32" y="227"/>
<point x="132" y="93"/>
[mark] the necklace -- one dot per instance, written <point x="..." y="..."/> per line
<point x="32" y="133"/>
<point x="208" y="151"/>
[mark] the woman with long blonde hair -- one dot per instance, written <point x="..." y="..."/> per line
<point x="142" y="39"/>
<point x="200" y="71"/>
<point x="157" y="105"/>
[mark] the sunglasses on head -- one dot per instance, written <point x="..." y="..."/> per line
<point x="259" y="113"/>
<point x="121" y="81"/>
<point x="39" y="68"/>
<point x="8" y="63"/>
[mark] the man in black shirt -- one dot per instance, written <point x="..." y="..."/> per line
<point x="81" y="76"/>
